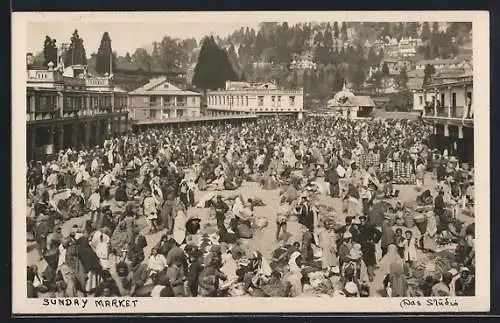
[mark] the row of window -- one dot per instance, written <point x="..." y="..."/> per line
<point x="442" y="101"/>
<point x="49" y="103"/>
<point x="240" y="100"/>
<point x="276" y="101"/>
<point x="154" y="114"/>
<point x="52" y="115"/>
<point x="171" y="100"/>
<point x="274" y="109"/>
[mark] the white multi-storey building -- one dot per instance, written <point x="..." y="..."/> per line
<point x="159" y="100"/>
<point x="260" y="99"/>
<point x="452" y="113"/>
<point x="408" y="46"/>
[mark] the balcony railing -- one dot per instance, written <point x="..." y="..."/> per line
<point x="171" y="105"/>
<point x="458" y="112"/>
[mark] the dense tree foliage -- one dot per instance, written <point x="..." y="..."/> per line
<point x="76" y="52"/>
<point x="105" y="60"/>
<point x="213" y="68"/>
<point x="49" y="51"/>
<point x="429" y="70"/>
<point x="403" y="79"/>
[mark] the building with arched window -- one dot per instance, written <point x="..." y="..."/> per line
<point x="71" y="109"/>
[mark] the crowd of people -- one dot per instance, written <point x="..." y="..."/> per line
<point x="152" y="183"/>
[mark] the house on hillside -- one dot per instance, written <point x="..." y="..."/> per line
<point x="303" y="62"/>
<point x="407" y="47"/>
<point x="451" y="63"/>
<point x="390" y="83"/>
<point x="392" y="64"/>
<point x="378" y="45"/>
<point x="392" y="47"/>
<point x="261" y="64"/>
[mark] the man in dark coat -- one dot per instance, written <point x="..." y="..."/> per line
<point x="388" y="235"/>
<point x="220" y="210"/>
<point x="369" y="236"/>
<point x="31" y="290"/>
<point x="332" y="177"/>
<point x="306" y="215"/>
<point x="440" y="212"/>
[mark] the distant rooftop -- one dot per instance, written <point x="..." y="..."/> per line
<point x="415" y="83"/>
<point x="441" y="61"/>
<point x="124" y="65"/>
<point x="160" y="86"/>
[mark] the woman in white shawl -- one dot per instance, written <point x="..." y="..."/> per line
<point x="289" y="156"/>
<point x="392" y="256"/>
<point x="295" y="274"/>
<point x="238" y="207"/>
<point x="429" y="239"/>
<point x="101" y="245"/>
<point x="180" y="221"/>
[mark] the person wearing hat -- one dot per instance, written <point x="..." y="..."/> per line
<point x="351" y="289"/>
<point x="220" y="209"/>
<point x="305" y="213"/>
<point x="332" y="177"/>
<point x="465" y="284"/>
<point x="209" y="278"/>
<point x="327" y="243"/>
<point x="387" y="234"/>
<point x="347" y="227"/>
<point x="71" y="268"/>
<point x="345" y="248"/>
<point x="156" y="262"/>
<point x="54" y="238"/>
<point x="281" y="218"/>
<point x="354" y="268"/>
<point x="442" y="289"/>
<point x="150" y="207"/>
<point x="176" y="278"/>
<point x="195" y="266"/>
<point x="368" y="237"/>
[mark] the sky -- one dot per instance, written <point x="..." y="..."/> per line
<point x="125" y="37"/>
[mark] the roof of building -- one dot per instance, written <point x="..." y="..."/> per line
<point x="454" y="73"/>
<point x="347" y="98"/>
<point x="415" y="73"/>
<point x="122" y="64"/>
<point x="231" y="85"/>
<point x="363" y="101"/>
<point x="440" y="61"/>
<point x="415" y="83"/>
<point x="160" y="86"/>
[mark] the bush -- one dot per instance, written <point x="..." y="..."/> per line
<point x="402" y="101"/>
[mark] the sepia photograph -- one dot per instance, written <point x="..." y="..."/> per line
<point x="275" y="160"/>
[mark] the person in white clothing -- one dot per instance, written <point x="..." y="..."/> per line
<point x="94" y="167"/>
<point x="156" y="262"/>
<point x="107" y="179"/>
<point x="150" y="207"/>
